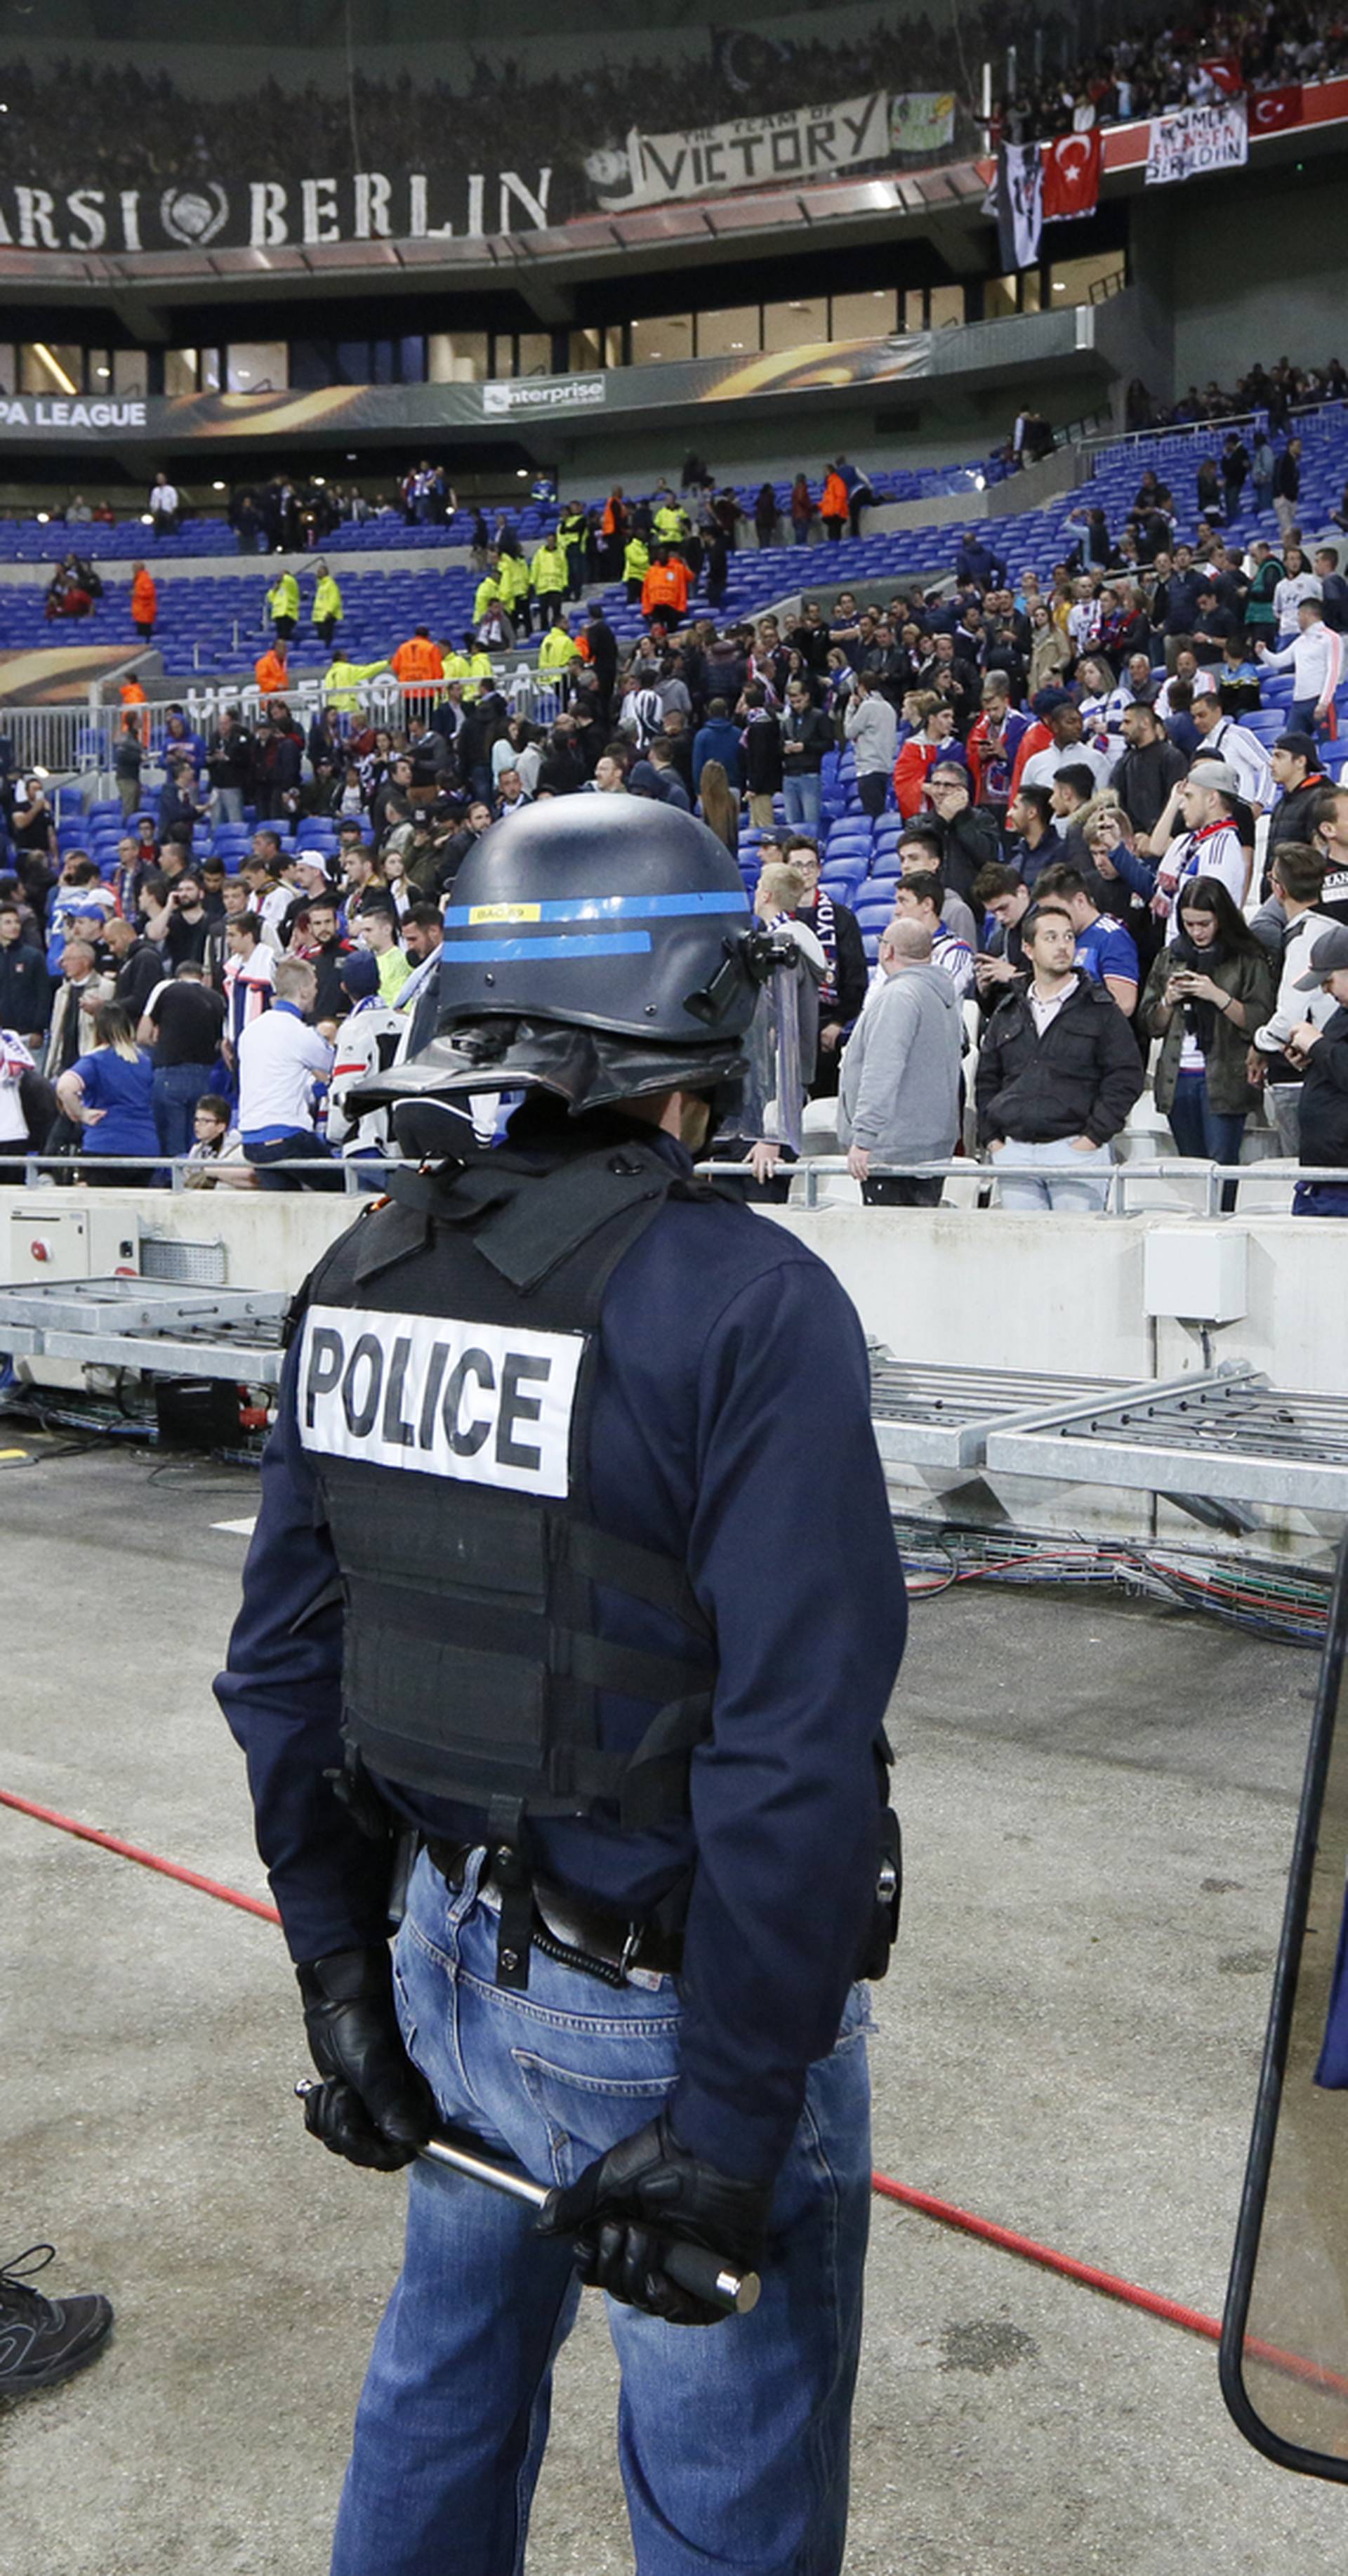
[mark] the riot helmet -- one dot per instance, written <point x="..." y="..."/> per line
<point x="601" y="947"/>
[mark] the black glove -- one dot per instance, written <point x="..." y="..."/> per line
<point x="374" y="2108"/>
<point x="647" y="2191"/>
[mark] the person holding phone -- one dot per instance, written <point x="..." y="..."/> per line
<point x="1208" y="990"/>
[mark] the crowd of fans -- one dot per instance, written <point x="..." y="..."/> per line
<point x="80" y="123"/>
<point x="1076" y="798"/>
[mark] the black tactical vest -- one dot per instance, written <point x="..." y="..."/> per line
<point x="444" y="1388"/>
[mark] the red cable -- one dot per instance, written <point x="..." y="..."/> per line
<point x="947" y="2214"/>
<point x="147" y="1860"/>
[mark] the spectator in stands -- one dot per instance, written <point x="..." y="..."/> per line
<point x="843" y="988"/>
<point x="80" y="991"/>
<point x="1210" y="844"/>
<point x="1038" y="766"/>
<point x="107" y="1093"/>
<point x="280" y="1059"/>
<point x="1220" y="738"/>
<point x="1316" y="659"/>
<point x="718" y="738"/>
<point x="1050" y="652"/>
<point x="1317" y="1046"/>
<point x="182" y="1023"/>
<point x="248" y="979"/>
<point x="993" y="741"/>
<point x="919" y="854"/>
<point x="1297" y="880"/>
<point x="967" y="837"/>
<point x="1148" y="769"/>
<point x="919" y="898"/>
<point x="376" y="924"/>
<point x="271" y="671"/>
<point x="25" y="986"/>
<point x="807" y="737"/>
<point x="871" y="727"/>
<point x="1035" y="842"/>
<point x="1297" y="774"/>
<point x="135" y="966"/>
<point x="1004" y="898"/>
<point x="932" y="724"/>
<point x="719" y="805"/>
<point x="1207" y="993"/>
<point x="1298" y="582"/>
<point x="761" y="749"/>
<point x="1287" y="487"/>
<point x="1328" y="834"/>
<point x="833" y="506"/>
<point x="144" y="602"/>
<point x="163" y="507"/>
<point x="1104" y="948"/>
<point x="215" y="1158"/>
<point x="899" y="1090"/>
<point x="1058" y="1072"/>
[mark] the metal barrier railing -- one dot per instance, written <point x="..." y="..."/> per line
<point x="357" y="1171"/>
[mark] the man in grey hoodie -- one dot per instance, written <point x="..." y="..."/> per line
<point x="899" y="1092"/>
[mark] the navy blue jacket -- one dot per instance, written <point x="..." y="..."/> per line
<point x="731" y="1427"/>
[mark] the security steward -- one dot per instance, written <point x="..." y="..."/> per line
<point x="574" y="1556"/>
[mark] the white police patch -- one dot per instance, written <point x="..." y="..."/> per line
<point x="486" y="1403"/>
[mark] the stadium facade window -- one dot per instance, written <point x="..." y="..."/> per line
<point x="873" y="314"/>
<point x="667" y="335"/>
<point x="585" y="351"/>
<point x="615" y="344"/>
<point x="458" y="357"/>
<point x="50" y="367"/>
<point x="1000" y="297"/>
<point x="210" y="370"/>
<point x="9" y="368"/>
<point x="1085" y="281"/>
<point x="180" y="371"/>
<point x="797" y="325"/>
<point x="946" y="307"/>
<point x="258" y="366"/>
<point x="1031" y="298"/>
<point x="98" y="371"/>
<point x="130" y="373"/>
<point x="915" y="309"/>
<point x="735" y="329"/>
<point x="533" y="353"/>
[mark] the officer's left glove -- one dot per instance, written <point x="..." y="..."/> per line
<point x="374" y="2108"/>
<point x="648" y="2190"/>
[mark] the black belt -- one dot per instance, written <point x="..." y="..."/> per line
<point x="574" y="1930"/>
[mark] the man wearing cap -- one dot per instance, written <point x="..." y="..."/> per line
<point x="1316" y="658"/>
<point x="1299" y="778"/>
<point x="1320" y="1046"/>
<point x="1210" y="845"/>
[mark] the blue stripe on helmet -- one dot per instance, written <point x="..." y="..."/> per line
<point x="510" y="952"/>
<point x="609" y="907"/>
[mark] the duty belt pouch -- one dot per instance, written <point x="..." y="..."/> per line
<point x="884" y="1930"/>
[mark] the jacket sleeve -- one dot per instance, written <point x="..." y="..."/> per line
<point x="784" y="1795"/>
<point x="281" y="1692"/>
<point x="988" y="1082"/>
<point x="1138" y="874"/>
<point x="1121" y="1075"/>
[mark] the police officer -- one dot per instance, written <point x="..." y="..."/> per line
<point x="573" y="1553"/>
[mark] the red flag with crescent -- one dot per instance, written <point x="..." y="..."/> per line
<point x="1072" y="175"/>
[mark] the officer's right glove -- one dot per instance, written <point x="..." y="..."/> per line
<point x="374" y="2107"/>
<point x="648" y="2190"/>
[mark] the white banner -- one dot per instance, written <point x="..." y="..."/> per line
<point x="1197" y="140"/>
<point x="486" y="1403"/>
<point x="753" y="151"/>
<point x="543" y="393"/>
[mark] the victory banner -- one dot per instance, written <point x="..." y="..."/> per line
<point x="750" y="152"/>
<point x="1197" y="141"/>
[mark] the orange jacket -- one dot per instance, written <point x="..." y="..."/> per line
<point x="615" y="516"/>
<point x="666" y="586"/>
<point x="132" y="694"/>
<point x="915" y="758"/>
<point x="271" y="673"/>
<point x="417" y="660"/>
<point x="144" y="599"/>
<point x="834" y="504"/>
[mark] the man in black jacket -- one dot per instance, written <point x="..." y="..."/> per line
<point x="843" y="989"/>
<point x="1148" y="769"/>
<point x="603" y="645"/>
<point x="760" y="754"/>
<point x="1297" y="773"/>
<point x="970" y="840"/>
<point x="1058" y="1072"/>
<point x="25" y="985"/>
<point x="807" y="738"/>
<point x="1323" y="1104"/>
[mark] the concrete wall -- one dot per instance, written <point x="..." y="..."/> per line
<point x="1060" y="1294"/>
<point x="1245" y="272"/>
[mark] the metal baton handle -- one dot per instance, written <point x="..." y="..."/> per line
<point x="696" y="2270"/>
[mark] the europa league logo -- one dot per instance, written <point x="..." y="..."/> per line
<point x="194" y="216"/>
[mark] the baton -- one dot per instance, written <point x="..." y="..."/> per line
<point x="701" y="2273"/>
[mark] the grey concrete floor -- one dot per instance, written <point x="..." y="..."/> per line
<point x="1098" y="1802"/>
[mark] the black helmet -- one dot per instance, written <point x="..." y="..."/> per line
<point x="598" y="945"/>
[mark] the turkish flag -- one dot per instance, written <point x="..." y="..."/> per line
<point x="1272" y="109"/>
<point x="1072" y="174"/>
<point x="1225" y="74"/>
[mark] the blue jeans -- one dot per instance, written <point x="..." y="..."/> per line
<point x="732" y="2439"/>
<point x="177" y="1089"/>
<point x="1054" y="1176"/>
<point x="1320" y="1198"/>
<point x="1199" y="1130"/>
<point x="803" y="797"/>
<point x="1301" y="717"/>
<point x="228" y="804"/>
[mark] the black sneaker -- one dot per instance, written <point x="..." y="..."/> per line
<point x="42" y="2340"/>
